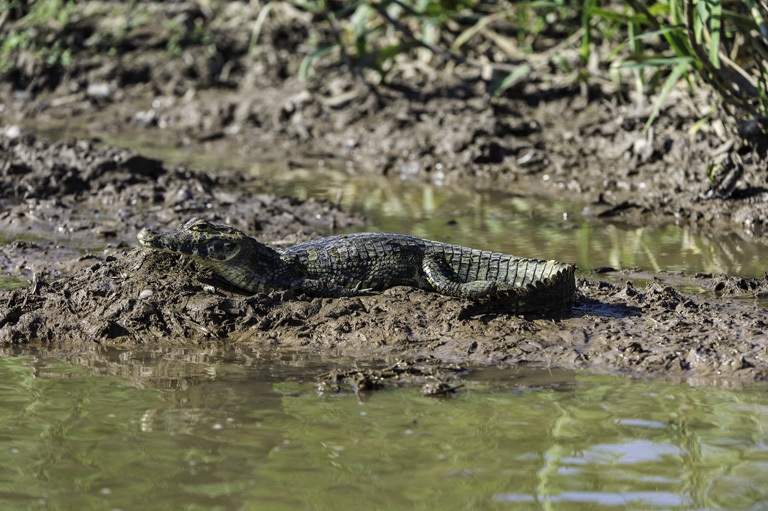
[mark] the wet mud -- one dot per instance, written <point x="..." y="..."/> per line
<point x="143" y="298"/>
<point x="83" y="196"/>
<point x="71" y="208"/>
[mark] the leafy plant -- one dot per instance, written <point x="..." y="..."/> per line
<point x="671" y="40"/>
<point x="182" y="35"/>
<point x="661" y="43"/>
<point x="377" y="34"/>
<point x="43" y="15"/>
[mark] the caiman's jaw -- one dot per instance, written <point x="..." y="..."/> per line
<point x="198" y="238"/>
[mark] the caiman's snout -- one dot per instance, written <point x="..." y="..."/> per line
<point x="145" y="237"/>
<point x="198" y="238"/>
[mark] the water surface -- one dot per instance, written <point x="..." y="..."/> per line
<point x="239" y="430"/>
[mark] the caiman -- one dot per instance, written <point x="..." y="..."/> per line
<point x="356" y="264"/>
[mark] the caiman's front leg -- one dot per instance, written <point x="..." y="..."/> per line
<point x="317" y="287"/>
<point x="442" y="282"/>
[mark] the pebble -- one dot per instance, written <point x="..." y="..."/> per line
<point x="12" y="132"/>
<point x="145" y="118"/>
<point x="146" y="293"/>
<point x="98" y="90"/>
<point x="183" y="195"/>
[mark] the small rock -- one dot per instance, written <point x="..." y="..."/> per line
<point x="146" y="293"/>
<point x="98" y="90"/>
<point x="183" y="195"/>
<point x="12" y="132"/>
<point x="145" y="117"/>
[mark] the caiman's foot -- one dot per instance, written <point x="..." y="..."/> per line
<point x="439" y="276"/>
<point x="357" y="291"/>
<point x="319" y="288"/>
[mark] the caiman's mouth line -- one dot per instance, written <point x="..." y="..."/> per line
<point x="198" y="245"/>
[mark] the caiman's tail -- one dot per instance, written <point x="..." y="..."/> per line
<point x="554" y="292"/>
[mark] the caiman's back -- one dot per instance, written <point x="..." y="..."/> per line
<point x="379" y="261"/>
<point x="370" y="260"/>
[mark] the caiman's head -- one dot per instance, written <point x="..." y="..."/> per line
<point x="198" y="238"/>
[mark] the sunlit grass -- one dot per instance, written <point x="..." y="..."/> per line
<point x="652" y="47"/>
<point x="647" y="48"/>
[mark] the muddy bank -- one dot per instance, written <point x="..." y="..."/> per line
<point x="76" y="199"/>
<point x="545" y="135"/>
<point x="432" y="120"/>
<point x="126" y="297"/>
<point x="143" y="298"/>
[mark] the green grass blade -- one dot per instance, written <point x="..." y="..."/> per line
<point x="257" y="26"/>
<point x="512" y="78"/>
<point x="757" y="17"/>
<point x="699" y="21"/>
<point x="663" y="31"/>
<point x="352" y="7"/>
<point x="674" y="13"/>
<point x="388" y="53"/>
<point x="359" y="19"/>
<point x="308" y="6"/>
<point x="615" y="52"/>
<point x="304" y="67"/>
<point x="715" y="16"/>
<point x="654" y="61"/>
<point x="679" y="70"/>
<point x="635" y="45"/>
<point x="608" y="14"/>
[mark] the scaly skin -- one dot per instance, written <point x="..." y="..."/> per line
<point x="355" y="264"/>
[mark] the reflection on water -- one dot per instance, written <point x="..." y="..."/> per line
<point x="520" y="224"/>
<point x="239" y="430"/>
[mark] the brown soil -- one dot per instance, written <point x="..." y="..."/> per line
<point x="144" y="298"/>
<point x="542" y="135"/>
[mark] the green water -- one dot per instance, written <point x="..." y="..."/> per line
<point x="208" y="430"/>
